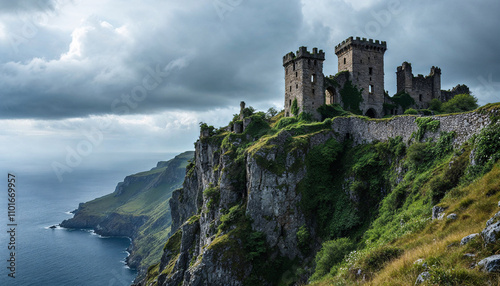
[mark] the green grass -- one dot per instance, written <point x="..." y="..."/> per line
<point x="402" y="231"/>
<point x="139" y="199"/>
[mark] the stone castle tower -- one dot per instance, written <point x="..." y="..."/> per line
<point x="364" y="59"/>
<point x="421" y="89"/>
<point x="361" y="62"/>
<point x="304" y="81"/>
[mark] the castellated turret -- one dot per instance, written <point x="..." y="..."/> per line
<point x="304" y="81"/>
<point x="364" y="59"/>
<point x="421" y="88"/>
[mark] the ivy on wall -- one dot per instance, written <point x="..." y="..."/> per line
<point x="403" y="99"/>
<point x="351" y="97"/>
<point x="295" y="108"/>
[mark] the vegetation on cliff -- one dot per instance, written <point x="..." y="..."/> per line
<point x="138" y="209"/>
<point x="366" y="206"/>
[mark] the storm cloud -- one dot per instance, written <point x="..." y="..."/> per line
<point x="153" y="69"/>
<point x="66" y="59"/>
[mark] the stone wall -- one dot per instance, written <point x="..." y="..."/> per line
<point x="362" y="130"/>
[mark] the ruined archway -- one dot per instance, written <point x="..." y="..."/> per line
<point x="371" y="113"/>
<point x="331" y="96"/>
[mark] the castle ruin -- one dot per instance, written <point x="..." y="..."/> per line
<point x="360" y="63"/>
<point x="304" y="81"/>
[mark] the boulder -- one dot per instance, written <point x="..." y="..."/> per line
<point x="421" y="262"/>
<point x="452" y="216"/>
<point x="490" y="264"/>
<point x="468" y="238"/>
<point x="493" y="219"/>
<point x="422" y="277"/>
<point x="492" y="231"/>
<point x="437" y="212"/>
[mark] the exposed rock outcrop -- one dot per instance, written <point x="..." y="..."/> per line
<point x="490" y="264"/>
<point x="492" y="231"/>
<point x="468" y="238"/>
<point x="128" y="211"/>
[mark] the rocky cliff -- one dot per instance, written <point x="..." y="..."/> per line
<point x="255" y="205"/>
<point x="138" y="208"/>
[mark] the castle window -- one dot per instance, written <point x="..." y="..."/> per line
<point x="293" y="65"/>
<point x="344" y="61"/>
<point x="286" y="71"/>
<point x="361" y="61"/>
<point x="297" y="86"/>
<point x="420" y="97"/>
<point x="370" y="71"/>
<point x="290" y="102"/>
<point x="290" y="88"/>
<point x="296" y="74"/>
<point x="370" y="90"/>
<point x="315" y="62"/>
<point x="313" y="94"/>
<point x="313" y="78"/>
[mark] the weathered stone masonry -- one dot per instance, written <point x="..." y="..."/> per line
<point x="363" y="60"/>
<point x="361" y="130"/>
<point x="304" y="81"/>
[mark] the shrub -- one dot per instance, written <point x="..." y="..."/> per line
<point x="411" y="111"/>
<point x="249" y="111"/>
<point x="420" y="153"/>
<point x="235" y="213"/>
<point x="332" y="252"/>
<point x="331" y="110"/>
<point x="213" y="196"/>
<point x="303" y="237"/>
<point x="271" y="112"/>
<point x="435" y="105"/>
<point x="204" y="126"/>
<point x="460" y="103"/>
<point x="403" y="99"/>
<point x="285" y="121"/>
<point x="425" y="112"/>
<point x="487" y="144"/>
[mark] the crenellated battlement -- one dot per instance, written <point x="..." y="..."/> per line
<point x="361" y="62"/>
<point x="304" y="53"/>
<point x="368" y="44"/>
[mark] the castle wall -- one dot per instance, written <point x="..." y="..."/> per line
<point x="423" y="91"/>
<point x="361" y="130"/>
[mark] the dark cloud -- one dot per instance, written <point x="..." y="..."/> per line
<point x="216" y="56"/>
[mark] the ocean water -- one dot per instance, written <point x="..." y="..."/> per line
<point x="45" y="256"/>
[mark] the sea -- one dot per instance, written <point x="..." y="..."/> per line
<point x="58" y="256"/>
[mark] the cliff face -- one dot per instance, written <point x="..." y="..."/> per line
<point x="138" y="208"/>
<point x="242" y="207"/>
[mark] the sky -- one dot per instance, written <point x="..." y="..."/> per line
<point x="83" y="81"/>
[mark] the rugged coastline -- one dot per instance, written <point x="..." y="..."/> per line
<point x="137" y="209"/>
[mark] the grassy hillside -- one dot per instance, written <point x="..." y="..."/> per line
<point x="138" y="208"/>
<point x="401" y="241"/>
<point x="368" y="206"/>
